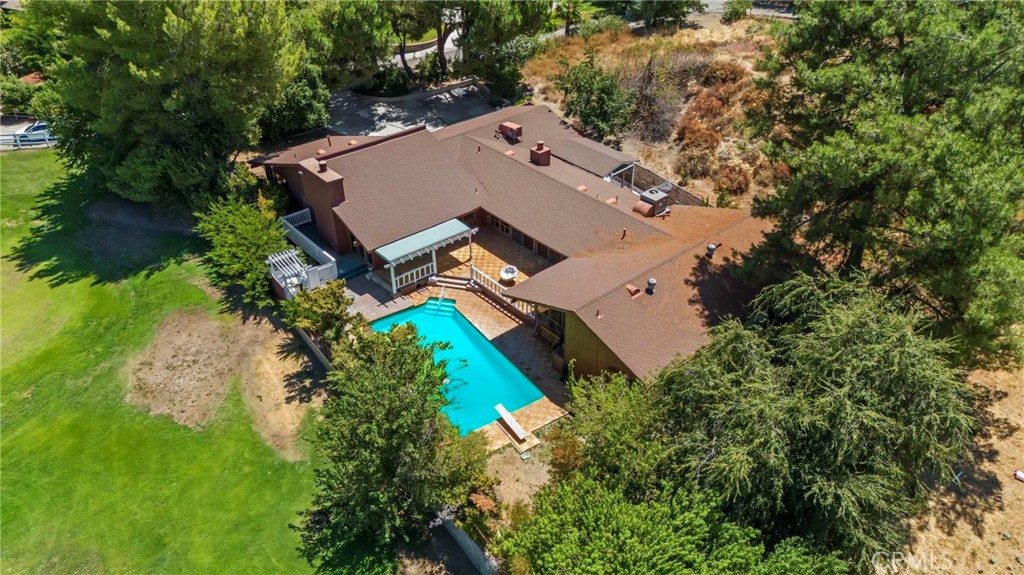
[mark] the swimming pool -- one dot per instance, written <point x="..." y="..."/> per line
<point x="480" y="376"/>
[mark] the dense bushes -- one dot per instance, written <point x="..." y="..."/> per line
<point x="301" y="107"/>
<point x="594" y="97"/>
<point x="16" y="95"/>
<point x="390" y="81"/>
<point x="601" y="25"/>
<point x="241" y="239"/>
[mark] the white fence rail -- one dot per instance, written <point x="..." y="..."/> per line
<point x="494" y="286"/>
<point x="298" y="218"/>
<point x="20" y="140"/>
<point x="415" y="275"/>
<point x="316" y="276"/>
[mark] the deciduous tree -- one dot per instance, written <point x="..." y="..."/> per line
<point x="582" y="526"/>
<point x="389" y="457"/>
<point x="594" y="97"/>
<point x="569" y="12"/>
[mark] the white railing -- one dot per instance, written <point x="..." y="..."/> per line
<point x="319" y="275"/>
<point x="414" y="275"/>
<point x="492" y="285"/>
<point x="328" y="268"/>
<point x="298" y="218"/>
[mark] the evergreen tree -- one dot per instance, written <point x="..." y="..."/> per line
<point x="902" y="125"/>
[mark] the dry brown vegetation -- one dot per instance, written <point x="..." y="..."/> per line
<point x="692" y="88"/>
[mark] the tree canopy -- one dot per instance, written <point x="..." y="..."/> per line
<point x="594" y="97"/>
<point x="823" y="416"/>
<point x="389" y="457"/>
<point x="582" y="526"/>
<point x="902" y="125"/>
<point x="157" y="96"/>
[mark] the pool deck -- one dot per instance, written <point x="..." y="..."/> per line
<point x="526" y="351"/>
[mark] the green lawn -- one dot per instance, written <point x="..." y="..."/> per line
<point x="91" y="484"/>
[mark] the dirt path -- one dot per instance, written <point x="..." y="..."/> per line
<point x="978" y="526"/>
<point x="186" y="370"/>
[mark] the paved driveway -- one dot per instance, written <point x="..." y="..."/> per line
<point x="357" y="115"/>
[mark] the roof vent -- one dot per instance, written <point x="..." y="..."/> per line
<point x="321" y="152"/>
<point x="323" y="166"/>
<point x="510" y="131"/>
<point x="581" y="188"/>
<point x="633" y="290"/>
<point x="510" y="153"/>
<point x="651" y="284"/>
<point x="352" y="142"/>
<point x="711" y="250"/>
<point x="643" y="208"/>
<point x="540" y="154"/>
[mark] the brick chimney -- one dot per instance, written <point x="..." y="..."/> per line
<point x="540" y="154"/>
<point x="322" y="190"/>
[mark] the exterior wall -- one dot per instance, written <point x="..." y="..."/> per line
<point x="290" y="174"/>
<point x="321" y="192"/>
<point x="592" y="356"/>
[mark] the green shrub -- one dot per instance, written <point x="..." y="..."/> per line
<point x="428" y="69"/>
<point x="602" y="24"/>
<point x="241" y="238"/>
<point x="390" y="81"/>
<point x="302" y="106"/>
<point x="736" y="10"/>
<point x="16" y="95"/>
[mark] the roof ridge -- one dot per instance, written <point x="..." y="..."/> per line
<point x="568" y="187"/>
<point x="371" y="143"/>
<point x="669" y="259"/>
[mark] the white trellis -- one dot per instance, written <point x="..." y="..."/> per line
<point x="289" y="271"/>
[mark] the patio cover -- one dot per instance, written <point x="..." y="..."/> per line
<point x="432" y="238"/>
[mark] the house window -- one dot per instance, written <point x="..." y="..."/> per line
<point x="553" y="319"/>
<point x="499" y="225"/>
<point x="521" y="238"/>
<point x="542" y="251"/>
<point x="468" y="217"/>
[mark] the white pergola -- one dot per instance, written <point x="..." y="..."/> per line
<point x="423" y="242"/>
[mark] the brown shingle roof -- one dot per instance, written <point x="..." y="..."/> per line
<point x="551" y="212"/>
<point x="589" y="155"/>
<point x="692" y="292"/>
<point x="401" y="187"/>
<point x="291" y="153"/>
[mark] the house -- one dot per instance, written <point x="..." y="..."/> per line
<point x="622" y="276"/>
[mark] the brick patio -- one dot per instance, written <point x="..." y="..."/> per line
<point x="492" y="251"/>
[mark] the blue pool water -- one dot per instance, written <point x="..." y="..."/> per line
<point x="480" y="376"/>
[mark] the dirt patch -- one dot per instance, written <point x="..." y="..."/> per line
<point x="279" y="384"/>
<point x="520" y="480"/>
<point x="184" y="372"/>
<point x="977" y="525"/>
<point x="438" y="555"/>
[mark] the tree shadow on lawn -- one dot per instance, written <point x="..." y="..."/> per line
<point x="80" y="232"/>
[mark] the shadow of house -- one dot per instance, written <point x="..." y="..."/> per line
<point x="79" y="233"/>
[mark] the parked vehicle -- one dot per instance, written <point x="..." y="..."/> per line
<point x="36" y="133"/>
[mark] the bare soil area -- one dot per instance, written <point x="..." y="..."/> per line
<point x="978" y="524"/>
<point x="520" y="480"/>
<point x="706" y="71"/>
<point x="186" y="371"/>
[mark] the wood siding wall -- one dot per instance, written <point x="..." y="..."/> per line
<point x="592" y="356"/>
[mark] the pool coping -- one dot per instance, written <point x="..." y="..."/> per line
<point x="533" y="416"/>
